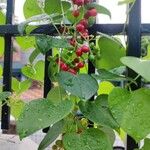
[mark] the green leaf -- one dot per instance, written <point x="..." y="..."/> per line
<point x="41" y="113"/>
<point x="105" y="87"/>
<point x="146" y="144"/>
<point x="20" y="87"/>
<point x="2" y="18"/>
<point x="45" y="43"/>
<point x="17" y="107"/>
<point x="56" y="95"/>
<point x="82" y="85"/>
<point x="33" y="55"/>
<point x="131" y="111"/>
<point x="35" y="72"/>
<point x="54" y="6"/>
<point x="26" y="42"/>
<point x="92" y="139"/>
<point x="107" y="75"/>
<point x="52" y="134"/>
<point x="98" y="113"/>
<point x="100" y="9"/>
<point x="138" y="65"/>
<point x="4" y="95"/>
<point x="31" y="8"/>
<point x="111" y="51"/>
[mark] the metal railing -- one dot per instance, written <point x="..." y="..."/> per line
<point x="133" y="30"/>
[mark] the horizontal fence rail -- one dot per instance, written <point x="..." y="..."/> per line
<point x="110" y="29"/>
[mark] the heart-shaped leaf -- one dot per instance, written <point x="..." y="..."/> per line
<point x="40" y="114"/>
<point x="97" y="113"/>
<point x="35" y="72"/>
<point x="138" y="65"/>
<point x="31" y="8"/>
<point x="82" y="85"/>
<point x="91" y="139"/>
<point x="131" y="111"/>
<point x="111" y="50"/>
<point x="56" y="95"/>
<point x="54" y="6"/>
<point x="52" y="134"/>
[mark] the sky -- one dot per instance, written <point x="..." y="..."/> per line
<point x="118" y="12"/>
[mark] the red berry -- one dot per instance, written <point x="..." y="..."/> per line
<point x="76" y="60"/>
<point x="84" y="22"/>
<point x="79" y="52"/>
<point x="80" y="27"/>
<point x="78" y="2"/>
<point x="59" y="61"/>
<point x="92" y="12"/>
<point x="85" y="49"/>
<point x="72" y="71"/>
<point x="80" y="65"/>
<point x="64" y="67"/>
<point x="76" y="13"/>
<point x="72" y="42"/>
<point x="85" y="34"/>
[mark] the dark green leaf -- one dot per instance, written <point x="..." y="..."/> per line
<point x="52" y="134"/>
<point x="82" y="85"/>
<point x="54" y="6"/>
<point x="91" y="139"/>
<point x="100" y="9"/>
<point x="131" y="111"/>
<point x="39" y="114"/>
<point x="97" y="113"/>
<point x="45" y="43"/>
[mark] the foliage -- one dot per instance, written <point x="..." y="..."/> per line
<point x="84" y="108"/>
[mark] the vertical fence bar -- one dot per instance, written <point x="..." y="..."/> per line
<point x="47" y="81"/>
<point x="7" y="71"/>
<point x="134" y="49"/>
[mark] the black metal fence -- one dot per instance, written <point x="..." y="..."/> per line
<point x="133" y="30"/>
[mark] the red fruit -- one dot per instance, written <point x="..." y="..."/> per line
<point x="80" y="65"/>
<point x="59" y="61"/>
<point x="87" y="1"/>
<point x="85" y="49"/>
<point x="64" y="67"/>
<point x="72" y="71"/>
<point x="72" y="42"/>
<point x="80" y="27"/>
<point x="79" y="52"/>
<point x="92" y="12"/>
<point x="78" y="2"/>
<point x="84" y="22"/>
<point x="76" y="13"/>
<point x="76" y="60"/>
<point x="85" y="34"/>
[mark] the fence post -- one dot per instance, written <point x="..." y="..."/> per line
<point x="134" y="49"/>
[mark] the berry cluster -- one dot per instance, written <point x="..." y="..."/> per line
<point x="80" y="37"/>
